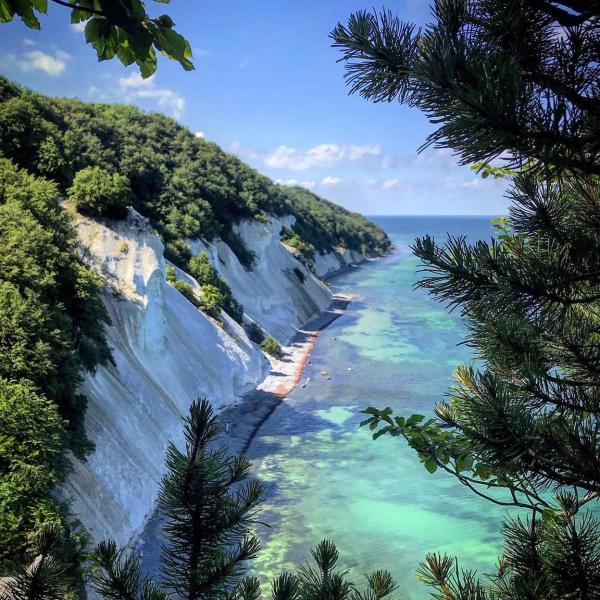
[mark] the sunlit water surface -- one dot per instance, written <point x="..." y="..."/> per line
<point x="325" y="478"/>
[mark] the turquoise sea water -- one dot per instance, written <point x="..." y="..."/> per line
<point x="325" y="478"/>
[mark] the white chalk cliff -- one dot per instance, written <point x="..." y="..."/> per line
<point x="167" y="353"/>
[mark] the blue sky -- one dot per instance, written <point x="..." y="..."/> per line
<point x="267" y="88"/>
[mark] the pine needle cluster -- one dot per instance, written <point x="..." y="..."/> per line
<point x="516" y="80"/>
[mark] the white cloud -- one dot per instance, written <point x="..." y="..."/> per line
<point x="36" y="60"/>
<point x="388" y="184"/>
<point x="284" y="157"/>
<point x="322" y="155"/>
<point x="319" y="156"/>
<point x="28" y="42"/>
<point x="471" y="183"/>
<point x="330" y="180"/>
<point x="357" y="152"/>
<point x="199" y="134"/>
<point x="135" y="81"/>
<point x="457" y="183"/>
<point x="134" y="86"/>
<point x="309" y="185"/>
<point x="79" y="27"/>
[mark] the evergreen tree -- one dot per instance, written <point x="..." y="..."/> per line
<point x="45" y="577"/>
<point x="517" y="79"/>
<point x="209" y="539"/>
<point x="207" y="523"/>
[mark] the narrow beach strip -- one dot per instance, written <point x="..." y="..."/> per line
<point x="244" y="420"/>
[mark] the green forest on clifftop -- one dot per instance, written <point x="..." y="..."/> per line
<point x="186" y="186"/>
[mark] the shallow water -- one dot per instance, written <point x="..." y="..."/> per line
<point x="325" y="478"/>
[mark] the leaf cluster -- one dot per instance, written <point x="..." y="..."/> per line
<point x="52" y="323"/>
<point x="527" y="419"/>
<point x="271" y="346"/>
<point x="206" y="275"/>
<point x="122" y="29"/>
<point x="97" y="192"/>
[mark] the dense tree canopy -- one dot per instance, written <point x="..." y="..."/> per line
<point x="122" y="29"/>
<point x="188" y="187"/>
<point x="31" y="462"/>
<point x="51" y="327"/>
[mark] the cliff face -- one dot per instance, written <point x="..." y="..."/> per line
<point x="167" y="353"/>
<point x="279" y="293"/>
<point x="330" y="263"/>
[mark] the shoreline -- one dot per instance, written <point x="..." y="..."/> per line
<point x="243" y="420"/>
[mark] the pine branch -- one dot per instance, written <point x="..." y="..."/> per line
<point x="119" y="578"/>
<point x="44" y="578"/>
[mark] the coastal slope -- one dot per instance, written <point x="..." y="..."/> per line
<point x="166" y="353"/>
<point x="191" y="251"/>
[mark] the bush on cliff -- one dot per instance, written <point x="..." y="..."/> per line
<point x="211" y="300"/>
<point x="205" y="274"/>
<point x="184" y="288"/>
<point x="271" y="346"/>
<point x="255" y="332"/>
<point x="97" y="192"/>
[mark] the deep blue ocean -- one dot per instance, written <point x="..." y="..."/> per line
<point x="326" y="478"/>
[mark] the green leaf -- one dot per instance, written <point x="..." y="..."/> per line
<point x="464" y="463"/>
<point x="6" y="11"/>
<point x="173" y="45"/>
<point x="41" y="5"/>
<point x="94" y="29"/>
<point x="141" y="45"/>
<point x="147" y="67"/>
<point x="381" y="432"/>
<point x="164" y="21"/>
<point x="431" y="465"/>
<point x="414" y="419"/>
<point x="483" y="471"/>
<point x="79" y="15"/>
<point x="24" y="9"/>
<point x="371" y="410"/>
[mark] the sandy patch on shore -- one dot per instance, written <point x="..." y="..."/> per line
<point x="242" y="420"/>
